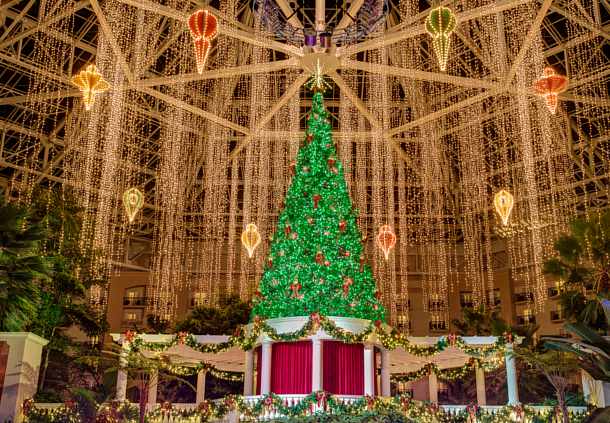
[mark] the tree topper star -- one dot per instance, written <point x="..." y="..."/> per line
<point x="317" y="82"/>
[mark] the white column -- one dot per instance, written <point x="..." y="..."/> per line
<point x="511" y="376"/>
<point x="316" y="364"/>
<point x="385" y="373"/>
<point x="369" y="369"/>
<point x="433" y="388"/>
<point x="266" y="368"/>
<point x="249" y="373"/>
<point x="121" y="377"/>
<point x="200" y="394"/>
<point x="320" y="15"/>
<point x="480" y="382"/>
<point x="153" y="380"/>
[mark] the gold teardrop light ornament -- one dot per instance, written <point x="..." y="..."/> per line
<point x="133" y="201"/>
<point x="250" y="238"/>
<point x="504" y="202"/>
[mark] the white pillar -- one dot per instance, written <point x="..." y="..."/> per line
<point x="511" y="376"/>
<point x="369" y="369"/>
<point x="433" y="388"/>
<point x="121" y="377"/>
<point x="249" y="373"/>
<point x="480" y="382"/>
<point x="153" y="380"/>
<point x="385" y="373"/>
<point x="200" y="394"/>
<point x="316" y="364"/>
<point x="320" y="15"/>
<point x="266" y="368"/>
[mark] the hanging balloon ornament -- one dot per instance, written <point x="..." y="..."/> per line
<point x="204" y="28"/>
<point x="504" y="202"/>
<point x="250" y="238"/>
<point x="386" y="240"/>
<point x="549" y="86"/>
<point x="133" y="201"/>
<point x="440" y="24"/>
<point x="90" y="82"/>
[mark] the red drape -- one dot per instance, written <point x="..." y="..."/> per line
<point x="259" y="354"/>
<point x="343" y="368"/>
<point x="291" y="367"/>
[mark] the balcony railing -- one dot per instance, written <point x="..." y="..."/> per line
<point x="526" y="320"/>
<point x="437" y="326"/>
<point x="522" y="297"/>
<point x="135" y="301"/>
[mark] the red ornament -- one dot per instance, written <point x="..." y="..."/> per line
<point x="129" y="336"/>
<point x="347" y="254"/>
<point x="378" y="324"/>
<point x="319" y="257"/>
<point x="378" y="295"/>
<point x="182" y="337"/>
<point x="331" y="161"/>
<point x="549" y="86"/>
<point x="204" y="28"/>
<point x="295" y="287"/>
<point x="287" y="229"/>
<point x="342" y="225"/>
<point x="270" y="262"/>
<point x="309" y="137"/>
<point x="294" y="235"/>
<point x="326" y="263"/>
<point x="347" y="282"/>
<point x="316" y="200"/>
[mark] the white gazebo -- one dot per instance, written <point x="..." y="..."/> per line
<point x="396" y="361"/>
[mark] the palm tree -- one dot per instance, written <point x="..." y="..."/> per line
<point x="583" y="265"/>
<point x="22" y="268"/>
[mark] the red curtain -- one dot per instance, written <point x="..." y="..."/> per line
<point x="258" y="352"/>
<point x="291" y="367"/>
<point x="343" y="368"/>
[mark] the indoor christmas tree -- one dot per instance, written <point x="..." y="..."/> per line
<point x="316" y="263"/>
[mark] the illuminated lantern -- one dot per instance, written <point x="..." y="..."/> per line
<point x="440" y="24"/>
<point x="133" y="201"/>
<point x="204" y="28"/>
<point x="90" y="83"/>
<point x="503" y="202"/>
<point x="250" y="238"/>
<point x="549" y="87"/>
<point x="386" y="239"/>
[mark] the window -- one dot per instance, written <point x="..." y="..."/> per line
<point x="436" y="303"/>
<point x="527" y="317"/>
<point x="557" y="315"/>
<point x="466" y="299"/>
<point x="522" y="297"/>
<point x="437" y="322"/>
<point x="403" y="322"/>
<point x="135" y="296"/>
<point x="131" y="316"/>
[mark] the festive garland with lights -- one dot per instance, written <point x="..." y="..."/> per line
<point x="446" y="374"/>
<point x="318" y="403"/>
<point x="389" y="339"/>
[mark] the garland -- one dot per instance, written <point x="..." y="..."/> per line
<point x="390" y="340"/>
<point x="446" y="374"/>
<point x="318" y="403"/>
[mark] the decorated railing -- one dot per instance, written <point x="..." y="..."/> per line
<point x="270" y="407"/>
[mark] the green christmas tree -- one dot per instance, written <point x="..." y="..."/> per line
<point x="316" y="263"/>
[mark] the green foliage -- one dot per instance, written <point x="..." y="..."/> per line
<point x="316" y="262"/>
<point x="481" y="321"/>
<point x="23" y="271"/>
<point x="582" y="263"/>
<point x="224" y="319"/>
<point x="591" y="348"/>
<point x="366" y="417"/>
